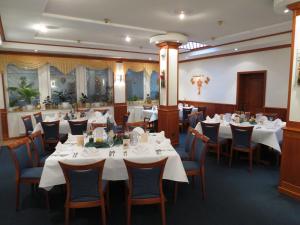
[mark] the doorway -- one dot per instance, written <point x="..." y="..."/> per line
<point x="251" y="91"/>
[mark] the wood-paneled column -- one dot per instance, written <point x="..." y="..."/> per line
<point x="168" y="114"/>
<point x="289" y="183"/>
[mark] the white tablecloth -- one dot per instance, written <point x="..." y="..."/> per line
<point x="136" y="114"/>
<point x="151" y="114"/>
<point x="114" y="167"/>
<point x="261" y="134"/>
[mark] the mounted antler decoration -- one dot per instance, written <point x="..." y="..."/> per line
<point x="200" y="80"/>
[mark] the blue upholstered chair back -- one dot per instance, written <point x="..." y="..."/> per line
<point x="241" y="136"/>
<point x="211" y="130"/>
<point x="185" y="113"/>
<point x="22" y="156"/>
<point x="145" y="181"/>
<point x="51" y="130"/>
<point x="203" y="110"/>
<point x="78" y="127"/>
<point x="193" y="120"/>
<point x="38" y="143"/>
<point x="189" y="141"/>
<point x="28" y="124"/>
<point x="84" y="183"/>
<point x="38" y="118"/>
<point x="200" y="117"/>
<point x="199" y="149"/>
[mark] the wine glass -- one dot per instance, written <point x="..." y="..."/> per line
<point x="110" y="142"/>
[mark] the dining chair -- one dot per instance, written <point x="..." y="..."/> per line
<point x="38" y="117"/>
<point x="271" y="116"/>
<point x="203" y="110"/>
<point x="241" y="141"/>
<point x="200" y="116"/>
<point x="26" y="173"/>
<point x="192" y="118"/>
<point x="184" y="120"/>
<point x="185" y="152"/>
<point x="85" y="187"/>
<point x="211" y="130"/>
<point x="147" y="107"/>
<point x="96" y="125"/>
<point x="28" y="124"/>
<point x="103" y="111"/>
<point x="78" y="127"/>
<point x="39" y="148"/>
<point x="51" y="133"/>
<point x="144" y="186"/>
<point x="196" y="165"/>
<point x="132" y="125"/>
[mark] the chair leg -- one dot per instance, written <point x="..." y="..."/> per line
<point x="203" y="183"/>
<point x="17" y="196"/>
<point x="193" y="181"/>
<point x="230" y="157"/>
<point x="47" y="200"/>
<point x="175" y="191"/>
<point x="67" y="215"/>
<point x="103" y="213"/>
<point x="128" y="212"/>
<point x="163" y="212"/>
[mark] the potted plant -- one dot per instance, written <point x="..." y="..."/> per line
<point x="83" y="99"/>
<point x="64" y="98"/>
<point x="48" y="102"/>
<point x="25" y="92"/>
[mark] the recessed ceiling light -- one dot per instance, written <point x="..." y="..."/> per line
<point x="150" y="58"/>
<point x="40" y="28"/>
<point x="128" y="39"/>
<point x="181" y="15"/>
<point x="36" y="50"/>
<point x="286" y="10"/>
<point x="156" y="42"/>
<point x="236" y="49"/>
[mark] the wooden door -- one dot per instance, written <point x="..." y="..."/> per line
<point x="251" y="90"/>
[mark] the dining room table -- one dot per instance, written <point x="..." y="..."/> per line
<point x="157" y="147"/>
<point x="269" y="133"/>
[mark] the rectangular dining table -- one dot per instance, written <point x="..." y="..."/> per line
<point x="262" y="134"/>
<point x="155" y="149"/>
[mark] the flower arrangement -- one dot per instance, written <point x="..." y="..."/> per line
<point x="48" y="102"/>
<point x="83" y="98"/>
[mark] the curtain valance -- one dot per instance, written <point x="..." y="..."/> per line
<point x="65" y="65"/>
<point x="138" y="67"/>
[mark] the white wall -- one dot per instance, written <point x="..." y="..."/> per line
<point x="223" y="77"/>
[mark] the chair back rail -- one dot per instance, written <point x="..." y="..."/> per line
<point x="38" y="117"/>
<point x="28" y="124"/>
<point x="38" y="145"/>
<point x="211" y="130"/>
<point x="78" y="127"/>
<point x="241" y="136"/>
<point x="51" y="130"/>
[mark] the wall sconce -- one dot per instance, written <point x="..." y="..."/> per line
<point x="53" y="84"/>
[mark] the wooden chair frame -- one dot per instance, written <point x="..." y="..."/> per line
<point x="19" y="180"/>
<point x="247" y="150"/>
<point x="146" y="201"/>
<point x="35" y="115"/>
<point x="55" y="141"/>
<point x="27" y="117"/>
<point x="69" y="204"/>
<point x="201" y="171"/>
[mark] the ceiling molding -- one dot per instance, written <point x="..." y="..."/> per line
<point x="89" y="48"/>
<point x="76" y="56"/>
<point x="240" y="41"/>
<point x="2" y="34"/>
<point x="237" y="53"/>
<point x="100" y="22"/>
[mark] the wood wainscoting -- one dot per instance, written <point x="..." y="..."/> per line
<point x="4" y="125"/>
<point x="213" y="108"/>
<point x="120" y="109"/>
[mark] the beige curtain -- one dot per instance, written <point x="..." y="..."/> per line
<point x="138" y="67"/>
<point x="65" y="65"/>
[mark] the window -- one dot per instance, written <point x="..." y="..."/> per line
<point x="154" y="86"/>
<point x="135" y="85"/>
<point x="99" y="85"/>
<point x="63" y="87"/>
<point x="23" y="86"/>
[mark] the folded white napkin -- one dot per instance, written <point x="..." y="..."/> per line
<point x="141" y="149"/>
<point x="48" y="119"/>
<point x="217" y="118"/>
<point x="98" y="114"/>
<point x="165" y="145"/>
<point x="138" y="130"/>
<point x="88" y="152"/>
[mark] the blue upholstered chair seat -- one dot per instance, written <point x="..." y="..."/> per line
<point x="191" y="165"/>
<point x="34" y="172"/>
<point x="86" y="197"/>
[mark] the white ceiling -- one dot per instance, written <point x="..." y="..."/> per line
<point x="140" y="19"/>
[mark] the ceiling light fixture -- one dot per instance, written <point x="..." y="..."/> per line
<point x="36" y="50"/>
<point x="150" y="58"/>
<point x="286" y="11"/>
<point x="236" y="49"/>
<point x="181" y="15"/>
<point x="40" y="28"/>
<point x="128" y="39"/>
